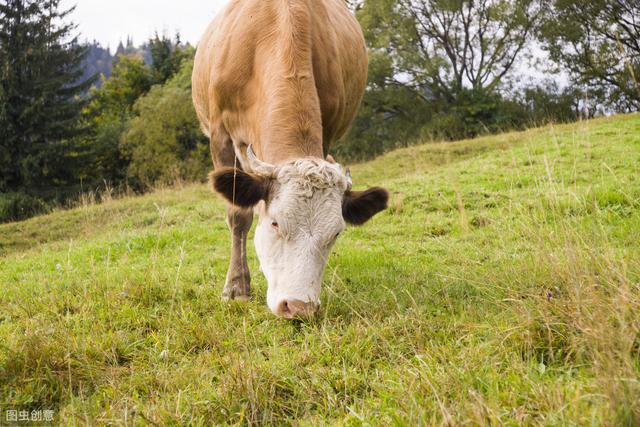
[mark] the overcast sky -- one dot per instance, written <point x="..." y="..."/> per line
<point x="110" y="21"/>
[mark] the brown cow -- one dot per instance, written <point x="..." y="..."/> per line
<point x="280" y="81"/>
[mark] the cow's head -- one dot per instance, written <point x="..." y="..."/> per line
<point x="303" y="207"/>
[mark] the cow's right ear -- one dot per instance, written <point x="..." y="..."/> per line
<point x="359" y="206"/>
<point x="239" y="187"/>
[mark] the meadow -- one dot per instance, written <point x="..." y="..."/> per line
<point x="501" y="287"/>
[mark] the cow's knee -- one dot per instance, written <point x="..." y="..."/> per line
<point x="239" y="220"/>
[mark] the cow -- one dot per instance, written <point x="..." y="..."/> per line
<point x="275" y="84"/>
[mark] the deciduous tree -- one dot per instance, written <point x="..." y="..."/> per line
<point x="598" y="43"/>
<point x="440" y="66"/>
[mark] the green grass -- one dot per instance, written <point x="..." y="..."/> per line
<point x="502" y="286"/>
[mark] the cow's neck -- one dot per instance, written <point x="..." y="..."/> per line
<point x="293" y="125"/>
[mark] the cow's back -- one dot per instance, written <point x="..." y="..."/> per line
<point x="281" y="72"/>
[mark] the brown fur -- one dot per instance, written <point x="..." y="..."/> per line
<point x="359" y="206"/>
<point x="284" y="75"/>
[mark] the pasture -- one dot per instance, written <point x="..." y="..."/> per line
<point x="502" y="286"/>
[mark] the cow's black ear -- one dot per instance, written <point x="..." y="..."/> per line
<point x="239" y="187"/>
<point x="359" y="206"/>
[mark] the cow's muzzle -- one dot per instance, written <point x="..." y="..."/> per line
<point x="296" y="309"/>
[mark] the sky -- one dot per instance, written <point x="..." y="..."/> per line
<point x="110" y="21"/>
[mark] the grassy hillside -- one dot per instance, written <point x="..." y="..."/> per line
<point x="501" y="287"/>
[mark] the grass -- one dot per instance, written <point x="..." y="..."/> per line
<point x="502" y="287"/>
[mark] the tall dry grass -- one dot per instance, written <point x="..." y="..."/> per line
<point x="581" y="306"/>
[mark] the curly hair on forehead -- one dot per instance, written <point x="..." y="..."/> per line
<point x="312" y="174"/>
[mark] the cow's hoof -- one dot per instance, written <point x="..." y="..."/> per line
<point x="236" y="292"/>
<point x="240" y="298"/>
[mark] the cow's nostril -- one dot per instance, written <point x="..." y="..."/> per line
<point x="284" y="309"/>
<point x="290" y="309"/>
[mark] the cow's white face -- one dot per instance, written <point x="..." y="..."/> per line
<point x="303" y="206"/>
<point x="299" y="222"/>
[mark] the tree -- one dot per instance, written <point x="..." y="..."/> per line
<point x="130" y="78"/>
<point x="438" y="67"/>
<point x="166" y="56"/>
<point x="111" y="111"/>
<point x="598" y="43"/>
<point x="98" y="62"/>
<point x="40" y="67"/>
<point x="108" y="114"/>
<point x="164" y="142"/>
<point x="443" y="47"/>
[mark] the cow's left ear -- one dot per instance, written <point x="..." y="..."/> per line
<point x="240" y="188"/>
<point x="359" y="206"/>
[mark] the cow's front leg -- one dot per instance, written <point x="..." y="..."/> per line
<point x="238" y="281"/>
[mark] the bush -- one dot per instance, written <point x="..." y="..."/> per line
<point x="474" y="113"/>
<point x="547" y="103"/>
<point x="19" y="206"/>
<point x="164" y="142"/>
<point x="392" y="117"/>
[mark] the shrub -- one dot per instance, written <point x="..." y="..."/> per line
<point x="18" y="206"/>
<point x="164" y="142"/>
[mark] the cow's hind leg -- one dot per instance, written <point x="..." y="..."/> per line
<point x="238" y="281"/>
<point x="237" y="285"/>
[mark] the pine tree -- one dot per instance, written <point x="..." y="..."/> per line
<point x="40" y="65"/>
<point x="166" y="56"/>
<point x="120" y="49"/>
